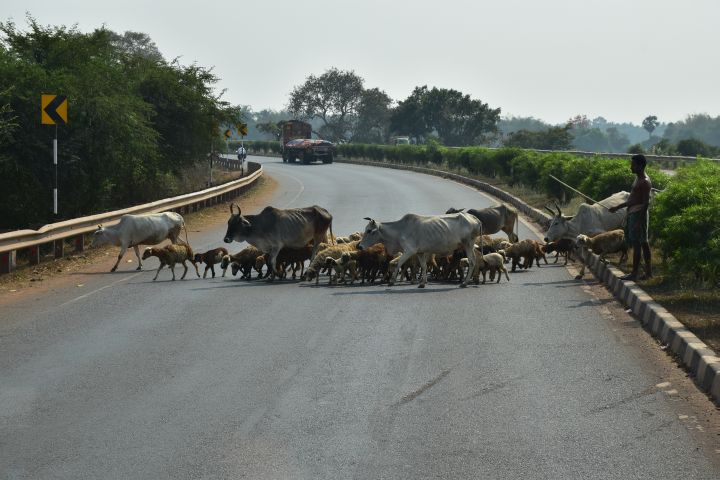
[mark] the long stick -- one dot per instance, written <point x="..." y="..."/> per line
<point x="576" y="191"/>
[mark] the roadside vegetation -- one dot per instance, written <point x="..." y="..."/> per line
<point x="138" y="124"/>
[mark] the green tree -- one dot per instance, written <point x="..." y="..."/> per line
<point x="373" y="120"/>
<point x="458" y="119"/>
<point x="554" y="138"/>
<point x="650" y="123"/>
<point x="334" y="97"/>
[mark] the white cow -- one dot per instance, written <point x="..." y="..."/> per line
<point x="134" y="230"/>
<point x="589" y="220"/>
<point x="424" y="236"/>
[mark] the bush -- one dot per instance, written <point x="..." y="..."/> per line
<point x="687" y="222"/>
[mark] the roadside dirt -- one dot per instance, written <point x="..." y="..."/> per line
<point x="51" y="274"/>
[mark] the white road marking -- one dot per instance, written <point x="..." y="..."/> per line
<point x="99" y="289"/>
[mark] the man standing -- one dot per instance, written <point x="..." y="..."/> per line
<point x="636" y="222"/>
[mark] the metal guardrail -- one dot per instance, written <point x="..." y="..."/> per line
<point x="58" y="233"/>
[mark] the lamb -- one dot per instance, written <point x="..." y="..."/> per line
<point x="346" y="263"/>
<point x="603" y="244"/>
<point x="524" y="251"/>
<point x="170" y="255"/>
<point x="243" y="261"/>
<point x="563" y="247"/>
<point x="287" y="257"/>
<point x="372" y="261"/>
<point x="210" y="258"/>
<point x="492" y="262"/>
<point x="318" y="263"/>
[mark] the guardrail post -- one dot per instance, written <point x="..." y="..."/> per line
<point x="59" y="246"/>
<point x="34" y="254"/>
<point x="79" y="243"/>
<point x="7" y="262"/>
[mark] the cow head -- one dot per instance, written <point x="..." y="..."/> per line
<point x="454" y="210"/>
<point x="238" y="226"/>
<point x="99" y="237"/>
<point x="558" y="226"/>
<point x="371" y="235"/>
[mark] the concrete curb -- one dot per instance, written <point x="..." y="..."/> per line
<point x="701" y="361"/>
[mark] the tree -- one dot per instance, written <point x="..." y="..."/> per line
<point x="650" y="123"/>
<point x="458" y="119"/>
<point x="554" y="138"/>
<point x="700" y="126"/>
<point x="373" y="120"/>
<point x="270" y="128"/>
<point x="334" y="97"/>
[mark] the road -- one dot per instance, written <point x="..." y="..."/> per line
<point x="224" y="378"/>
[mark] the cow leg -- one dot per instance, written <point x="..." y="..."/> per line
<point x="272" y="265"/>
<point x="470" y="254"/>
<point x="423" y="270"/>
<point x="120" y="255"/>
<point x="137" y="254"/>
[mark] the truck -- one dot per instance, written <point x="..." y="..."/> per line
<point x="297" y="144"/>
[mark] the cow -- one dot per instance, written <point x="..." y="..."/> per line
<point x="134" y="230"/>
<point x="494" y="219"/>
<point x="424" y="236"/>
<point x="273" y="229"/>
<point x="589" y="220"/>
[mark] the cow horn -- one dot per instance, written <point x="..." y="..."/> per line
<point x="558" y="209"/>
<point x="368" y="219"/>
<point x="232" y="212"/>
<point x="99" y="226"/>
<point x="550" y="210"/>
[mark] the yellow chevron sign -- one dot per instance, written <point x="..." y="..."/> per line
<point x="53" y="109"/>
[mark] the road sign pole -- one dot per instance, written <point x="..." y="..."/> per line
<point x="55" y="162"/>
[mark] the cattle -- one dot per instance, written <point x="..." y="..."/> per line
<point x="210" y="258"/>
<point x="589" y="219"/>
<point x="273" y="229"/>
<point x="134" y="230"/>
<point x="170" y="255"/>
<point x="423" y="235"/>
<point x="494" y="219"/>
<point x="603" y="244"/>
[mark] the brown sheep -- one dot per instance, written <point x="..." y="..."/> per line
<point x="563" y="247"/>
<point x="346" y="264"/>
<point x="170" y="255"/>
<point x="603" y="244"/>
<point x="318" y="263"/>
<point x="372" y="261"/>
<point x="492" y="262"/>
<point x="210" y="258"/>
<point x="243" y="261"/>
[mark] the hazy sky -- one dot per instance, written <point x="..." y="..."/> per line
<point x="551" y="59"/>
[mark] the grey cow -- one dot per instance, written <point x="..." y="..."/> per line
<point x="274" y="229"/>
<point x="494" y="219"/>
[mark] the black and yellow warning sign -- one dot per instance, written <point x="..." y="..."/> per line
<point x="54" y="109"/>
<point x="228" y="133"/>
<point x="242" y="129"/>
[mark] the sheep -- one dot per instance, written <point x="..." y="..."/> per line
<point x="318" y="263"/>
<point x="411" y="267"/>
<point x="170" y="255"/>
<point x="243" y="261"/>
<point x="346" y="263"/>
<point x="524" y="251"/>
<point x="564" y="247"/>
<point x="210" y="258"/>
<point x="493" y="262"/>
<point x="293" y="258"/>
<point x="603" y="244"/>
<point x="372" y="261"/>
<point x="350" y="238"/>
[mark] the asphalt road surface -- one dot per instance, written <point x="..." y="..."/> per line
<point x="226" y="378"/>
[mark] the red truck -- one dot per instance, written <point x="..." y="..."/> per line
<point x="297" y="144"/>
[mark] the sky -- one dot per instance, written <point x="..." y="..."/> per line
<point x="549" y="59"/>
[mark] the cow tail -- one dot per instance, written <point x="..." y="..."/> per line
<point x="332" y="237"/>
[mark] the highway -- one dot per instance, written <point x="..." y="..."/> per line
<point x="223" y="378"/>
